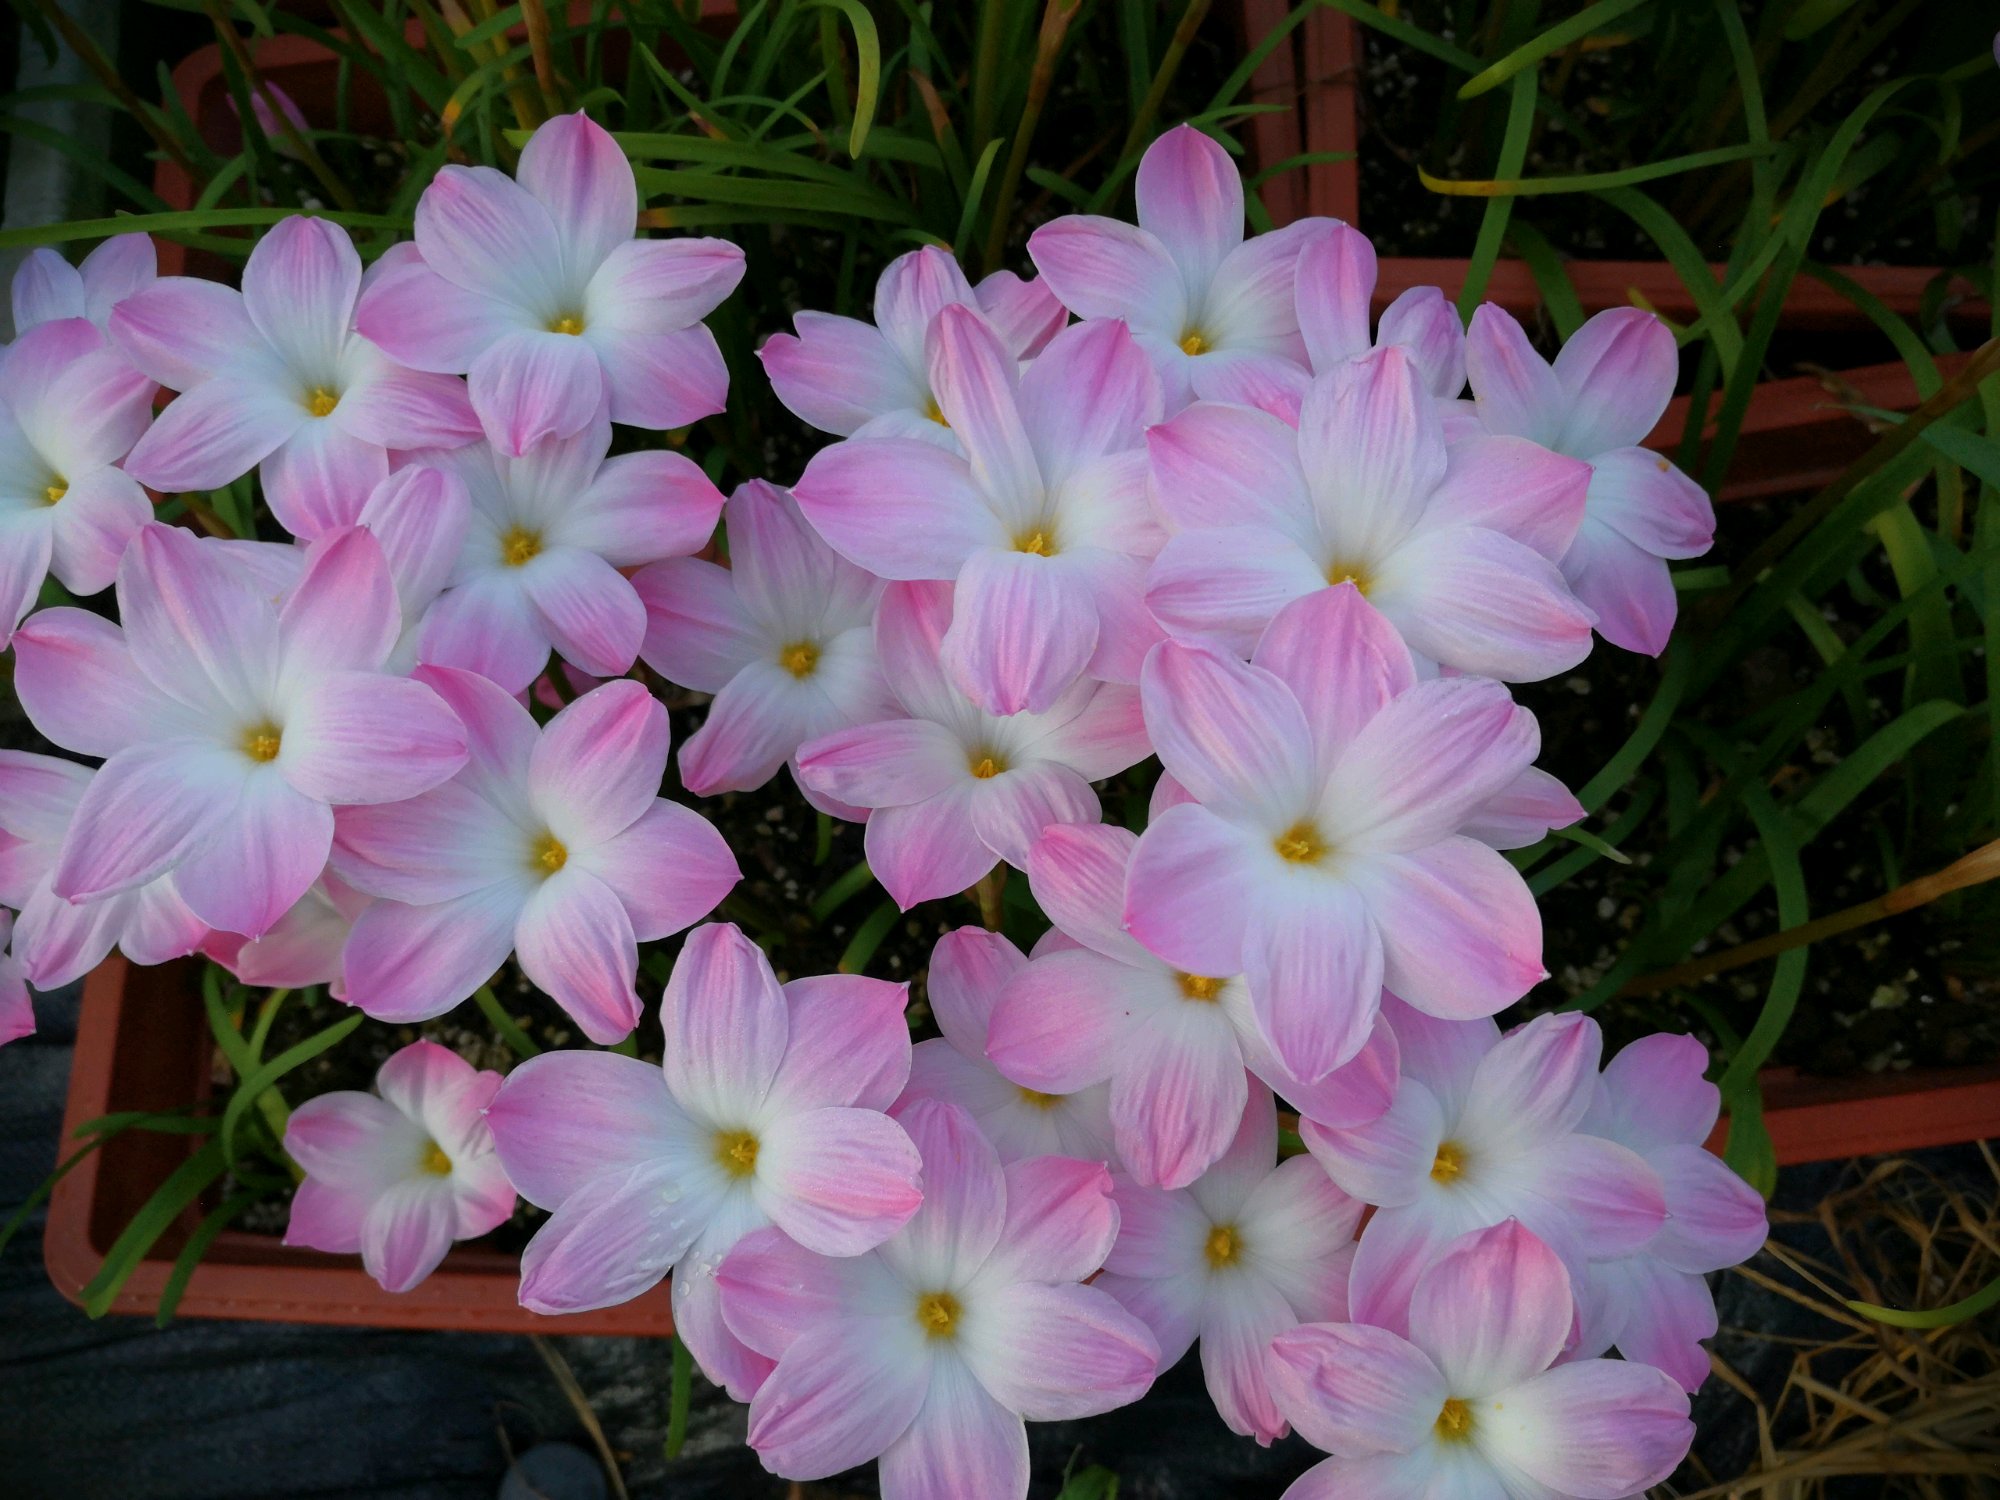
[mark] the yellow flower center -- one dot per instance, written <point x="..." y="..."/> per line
<point x="549" y="855"/>
<point x="1338" y="572"/>
<point x="1201" y="986"/>
<point x="1036" y="1099"/>
<point x="935" y="412"/>
<point x="1222" y="1247"/>
<point x="937" y="1314"/>
<point x="737" y="1151"/>
<point x="568" y="323"/>
<point x="1301" y="844"/>
<point x="1449" y="1164"/>
<point x="262" y="742"/>
<point x="988" y="766"/>
<point x="799" y="658"/>
<point x="1194" y="343"/>
<point x="1037" y="541"/>
<point x="53" y="493"/>
<point x="436" y="1162"/>
<point x="520" y="546"/>
<point x="1454" y="1423"/>
<point x="320" y="401"/>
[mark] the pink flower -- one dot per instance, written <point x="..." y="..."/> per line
<point x="302" y="948"/>
<point x="541" y="562"/>
<point x="1485" y="1128"/>
<point x="70" y="408"/>
<point x="47" y="287"/>
<point x="421" y="515"/>
<point x="271" y="122"/>
<point x="855" y="379"/>
<point x="17" y="1007"/>
<point x="769" y="1111"/>
<point x="55" y="941"/>
<point x="1607" y="388"/>
<point x="400" y="1173"/>
<point x="1045" y="524"/>
<point x="1468" y="1405"/>
<point x="969" y="969"/>
<point x="551" y="844"/>
<point x="931" y="1350"/>
<point x="539" y="293"/>
<point x="275" y="376"/>
<point x="1209" y="307"/>
<point x="1655" y="1305"/>
<point x="784" y="637"/>
<point x="955" y="789"/>
<point x="1241" y="1254"/>
<point x="1173" y="1045"/>
<point x="1323" y="856"/>
<point x="233" y="724"/>
<point x="1455" y="546"/>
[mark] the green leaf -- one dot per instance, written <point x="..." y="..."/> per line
<point x="1093" y="1483"/>
<point x="174" y="225"/>
<point x="1553" y="40"/>
<point x="252" y="1088"/>
<point x="192" y="1252"/>
<point x="680" y="1397"/>
<point x="868" y="69"/>
<point x="182" y="1187"/>
<point x="1965" y="1309"/>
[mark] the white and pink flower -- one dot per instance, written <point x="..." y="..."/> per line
<point x="17" y="1006"/>
<point x="1455" y="546"/>
<point x="1324" y="855"/>
<point x="784" y="637"/>
<point x="1043" y="523"/>
<point x="535" y="288"/>
<point x="955" y="790"/>
<point x="931" y="1351"/>
<point x="768" y="1111"/>
<point x="1211" y="309"/>
<point x="401" y="1173"/>
<point x="1243" y="1253"/>
<point x="46" y="287"/>
<point x="1472" y="1402"/>
<point x="1486" y="1128"/>
<point x="233" y="724"/>
<point x="1655" y="1305"/>
<point x="1173" y="1045"/>
<point x="549" y="535"/>
<point x="969" y="970"/>
<point x="856" y="379"/>
<point x="552" y="844"/>
<point x="275" y="378"/>
<point x="1597" y="402"/>
<point x="70" y="409"/>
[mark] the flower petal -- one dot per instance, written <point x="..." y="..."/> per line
<point x="838" y="1180"/>
<point x="1629" y="590"/>
<point x="1226" y="583"/>
<point x="299" y="288"/>
<point x="529" y="385"/>
<point x="612" y="1239"/>
<point x="849" y="1043"/>
<point x="148" y="810"/>
<point x="363" y="737"/>
<point x="1342" y="660"/>
<point x="897" y="507"/>
<point x="1218" y="465"/>
<point x="214" y="434"/>
<point x="1514" y="388"/>
<point x="1102" y="268"/>
<point x="409" y="963"/>
<point x="1191" y="197"/>
<point x="576" y="171"/>
<point x="661" y="380"/>
<point x="965" y="1198"/>
<point x="1191" y="890"/>
<point x="575" y="941"/>
<point x="407" y="1232"/>
<point x="725" y="1022"/>
<point x="563" y="1118"/>
<point x="1011" y="810"/>
<point x="1054" y="1353"/>
<point x="1023" y="628"/>
<point x="1461" y="936"/>
<point x="837" y="373"/>
<point x="1515" y="487"/>
<point x="1232" y="734"/>
<point x="1483" y="603"/>
<point x="1600" y="1427"/>
<point x="77" y="682"/>
<point x="1617" y="373"/>
<point x="1354" y="1389"/>
<point x="1313" y="959"/>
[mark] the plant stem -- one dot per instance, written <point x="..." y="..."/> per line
<point x="509" y="1029"/>
<point x="535" y="17"/>
<point x="1163" y="76"/>
<point x="680" y="1397"/>
<point x="1055" y="26"/>
<point x="92" y="56"/>
<point x="226" y="33"/>
<point x="989" y="893"/>
<point x="1976" y="868"/>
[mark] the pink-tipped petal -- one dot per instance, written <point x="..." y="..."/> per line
<point x="575" y="941"/>
<point x="214" y="434"/>
<point x="362" y="737"/>
<point x="1617" y="373"/>
<point x="1313" y="959"/>
<point x="897" y="507"/>
<point x="407" y="1233"/>
<point x="1053" y="1353"/>
<point x="1515" y="487"/>
<point x="1011" y="811"/>
<point x="1342" y="660"/>
<point x="1023" y="628"/>
<point x="669" y="869"/>
<point x="838" y="373"/>
<point x="845" y="1390"/>
<point x="145" y="812"/>
<point x="1629" y="590"/>
<point x="1601" y="1428"/>
<point x="409" y="963"/>
<point x="1461" y="935"/>
<point x="1232" y="734"/>
<point x="928" y="849"/>
<point x="77" y="681"/>
<point x="839" y="1181"/>
<point x="299" y="288"/>
<point x="530" y="386"/>
<point x="1191" y="890"/>
<point x="1189" y="194"/>
<point x="1493" y="1310"/>
<point x="1102" y="268"/>
<point x="597" y="765"/>
<point x="725" y="1022"/>
<point x="563" y="1118"/>
<point x="576" y="171"/>
<point x="183" y="330"/>
<point x="1217" y="465"/>
<point x="1355" y="1389"/>
<point x="1514" y="388"/>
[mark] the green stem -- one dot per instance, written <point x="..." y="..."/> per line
<point x="1163" y="76"/>
<point x="509" y="1029"/>
<point x="1055" y="26"/>
<point x="679" y="1399"/>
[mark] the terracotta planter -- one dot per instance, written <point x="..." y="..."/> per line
<point x="143" y="1044"/>
<point x="1829" y="1119"/>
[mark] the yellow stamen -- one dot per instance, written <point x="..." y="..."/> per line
<point x="52" y="494"/>
<point x="320" y="401"/>
<point x="262" y="742"/>
<point x="937" y="1314"/>
<point x="520" y="546"/>
<point x="935" y="412"/>
<point x="1201" y="986"/>
<point x="799" y="658"/>
<point x="1338" y="572"/>
<point x="568" y="323"/>
<point x="1036" y="1099"/>
<point x="1300" y="844"/>
<point x="1194" y="343"/>
<point x="1223" y="1246"/>
<point x="1454" y="1423"/>
<point x="549" y="854"/>
<point x="737" y="1151"/>
<point x="1038" y="542"/>
<point x="436" y="1162"/>
<point x="1664" y="465"/>
<point x="987" y="767"/>
<point x="1449" y="1164"/>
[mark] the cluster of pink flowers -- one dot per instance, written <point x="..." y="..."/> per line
<point x="1176" y="496"/>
